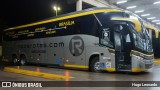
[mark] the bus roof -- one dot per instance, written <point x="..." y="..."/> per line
<point x="69" y="15"/>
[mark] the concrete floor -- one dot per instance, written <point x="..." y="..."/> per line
<point x="82" y="75"/>
<point x="79" y="75"/>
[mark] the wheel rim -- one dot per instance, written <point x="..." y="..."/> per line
<point x="15" y="60"/>
<point x="97" y="66"/>
<point x="22" y="62"/>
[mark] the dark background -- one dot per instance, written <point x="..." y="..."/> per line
<point x="19" y="12"/>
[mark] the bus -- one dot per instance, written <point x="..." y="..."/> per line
<point x="154" y="35"/>
<point x="95" y="39"/>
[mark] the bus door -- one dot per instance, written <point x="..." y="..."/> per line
<point x="122" y="45"/>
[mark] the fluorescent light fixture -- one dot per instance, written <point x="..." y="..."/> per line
<point x="158" y="23"/>
<point x="120" y="2"/>
<point x="158" y="2"/>
<point x="144" y="15"/>
<point x="139" y="11"/>
<point x="155" y="20"/>
<point x="131" y="7"/>
<point x="150" y="18"/>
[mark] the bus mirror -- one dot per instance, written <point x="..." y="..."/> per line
<point x="154" y="29"/>
<point x="135" y="21"/>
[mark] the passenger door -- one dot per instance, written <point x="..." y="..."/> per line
<point x="122" y="52"/>
<point x="118" y="47"/>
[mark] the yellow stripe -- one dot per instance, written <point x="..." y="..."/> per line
<point x="75" y="66"/>
<point x="36" y="74"/>
<point x="135" y="51"/>
<point x="65" y="17"/>
<point x="141" y="53"/>
<point x="111" y="69"/>
<point x="111" y="49"/>
<point x="137" y="70"/>
<point x="157" y="61"/>
<point x="155" y="29"/>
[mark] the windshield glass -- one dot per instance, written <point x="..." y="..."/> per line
<point x="141" y="39"/>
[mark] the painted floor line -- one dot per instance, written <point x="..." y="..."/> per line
<point x="157" y="61"/>
<point x="37" y="74"/>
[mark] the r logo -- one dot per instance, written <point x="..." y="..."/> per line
<point x="76" y="45"/>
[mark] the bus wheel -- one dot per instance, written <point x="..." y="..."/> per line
<point x="14" y="60"/>
<point x="22" y="60"/>
<point x="95" y="65"/>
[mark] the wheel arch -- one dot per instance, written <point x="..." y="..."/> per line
<point x="91" y="58"/>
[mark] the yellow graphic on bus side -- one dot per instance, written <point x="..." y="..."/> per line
<point x="66" y="23"/>
<point x="51" y="32"/>
<point x="23" y="31"/>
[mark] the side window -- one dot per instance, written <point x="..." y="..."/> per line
<point x="86" y="25"/>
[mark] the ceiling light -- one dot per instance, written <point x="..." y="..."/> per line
<point x="158" y="2"/>
<point x="155" y="20"/>
<point x="144" y="15"/>
<point x="120" y="2"/>
<point x="130" y="7"/>
<point x="151" y="18"/>
<point x="158" y="23"/>
<point x="139" y="11"/>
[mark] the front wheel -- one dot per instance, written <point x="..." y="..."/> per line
<point x="95" y="65"/>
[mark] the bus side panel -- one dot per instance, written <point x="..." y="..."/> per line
<point x="8" y="48"/>
<point x="74" y="50"/>
<point x="32" y="49"/>
<point x="44" y="50"/>
<point x="54" y="51"/>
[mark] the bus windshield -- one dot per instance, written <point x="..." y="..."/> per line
<point x="141" y="39"/>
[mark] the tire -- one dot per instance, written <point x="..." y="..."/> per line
<point x="22" y="61"/>
<point x="95" y="65"/>
<point x="14" y="60"/>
